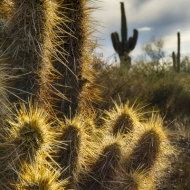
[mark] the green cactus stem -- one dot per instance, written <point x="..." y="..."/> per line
<point x="151" y="149"/>
<point x="79" y="138"/>
<point x="76" y="78"/>
<point x="176" y="59"/>
<point x="102" y="173"/>
<point x="29" y="47"/>
<point x="122" y="119"/>
<point x="28" y="138"/>
<point x="125" y="46"/>
<point x="178" y="52"/>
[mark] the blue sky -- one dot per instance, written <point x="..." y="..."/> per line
<point x="152" y="18"/>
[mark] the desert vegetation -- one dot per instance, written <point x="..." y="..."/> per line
<point x="70" y="121"/>
<point x="153" y="83"/>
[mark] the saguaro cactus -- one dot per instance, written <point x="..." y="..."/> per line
<point x="125" y="46"/>
<point x="176" y="59"/>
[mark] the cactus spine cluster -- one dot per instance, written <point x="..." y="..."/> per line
<point x="76" y="79"/>
<point x="125" y="46"/>
<point x="43" y="149"/>
<point x="176" y="58"/>
<point x="29" y="48"/>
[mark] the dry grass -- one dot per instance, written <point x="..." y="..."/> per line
<point x="178" y="173"/>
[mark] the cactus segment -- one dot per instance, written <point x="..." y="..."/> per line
<point x="39" y="176"/>
<point x="30" y="135"/>
<point x="178" y="52"/>
<point x="81" y="147"/>
<point x="115" y="40"/>
<point x="103" y="172"/>
<point x="123" y="24"/>
<point x="133" y="40"/>
<point x="76" y="81"/>
<point x="152" y="148"/>
<point x="176" y="58"/>
<point x="123" y="119"/>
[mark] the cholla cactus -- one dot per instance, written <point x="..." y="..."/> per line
<point x="76" y="78"/>
<point x="44" y="177"/>
<point x="39" y="150"/>
<point x="27" y="138"/>
<point x="29" y="48"/>
<point x="81" y="141"/>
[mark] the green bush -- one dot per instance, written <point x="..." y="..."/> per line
<point x="162" y="89"/>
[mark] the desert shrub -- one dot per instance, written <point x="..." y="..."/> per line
<point x="179" y="172"/>
<point x="160" y="88"/>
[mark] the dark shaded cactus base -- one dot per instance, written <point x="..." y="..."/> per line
<point x="125" y="61"/>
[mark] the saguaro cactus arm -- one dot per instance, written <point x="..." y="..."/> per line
<point x="178" y="52"/>
<point x="123" y="24"/>
<point x="133" y="40"/>
<point x="115" y="40"/>
<point x="174" y="60"/>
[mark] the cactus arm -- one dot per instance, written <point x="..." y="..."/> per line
<point x="115" y="40"/>
<point x="174" y="60"/>
<point x="116" y="36"/>
<point x="176" y="57"/>
<point x="130" y="44"/>
<point x="123" y="24"/>
<point x="118" y="46"/>
<point x="133" y="40"/>
<point x="178" y="52"/>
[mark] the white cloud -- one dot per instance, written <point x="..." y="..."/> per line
<point x="145" y="29"/>
<point x="165" y="22"/>
<point x="170" y="42"/>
